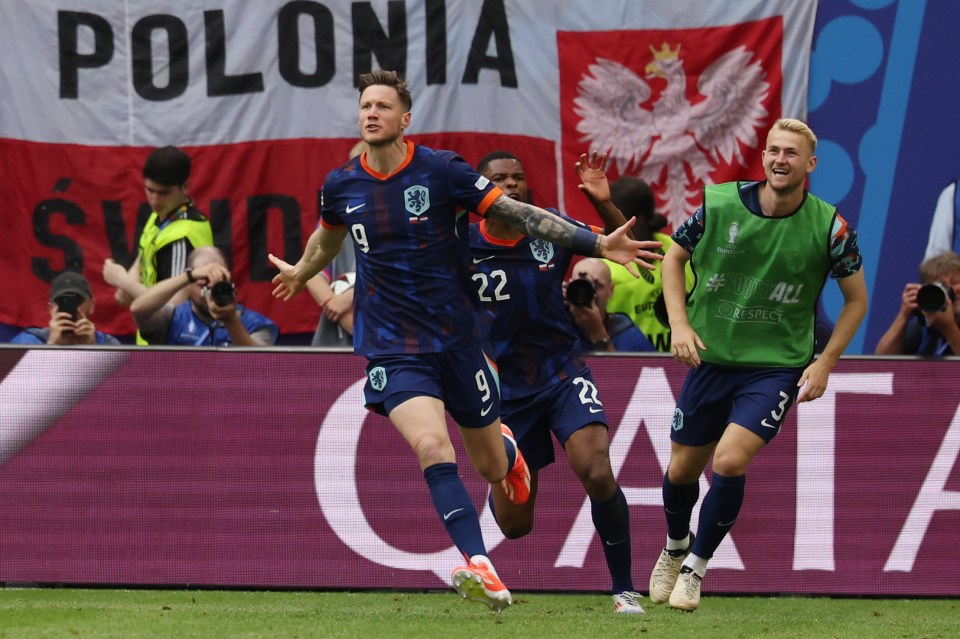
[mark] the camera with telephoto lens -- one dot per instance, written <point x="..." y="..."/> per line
<point x="580" y="292"/>
<point x="221" y="293"/>
<point x="933" y="298"/>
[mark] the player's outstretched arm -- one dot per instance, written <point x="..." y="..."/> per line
<point x="322" y="247"/>
<point x="536" y="222"/>
<point x="592" y="171"/>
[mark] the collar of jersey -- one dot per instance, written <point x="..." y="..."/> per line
<point x="384" y="176"/>
<point x="496" y="241"/>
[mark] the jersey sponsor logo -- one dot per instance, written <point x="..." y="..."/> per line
<point x="351" y="209"/>
<point x="416" y="199"/>
<point x="749" y="314"/>
<point x="378" y="378"/>
<point x="481" y="183"/>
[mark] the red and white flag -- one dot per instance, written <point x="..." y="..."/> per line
<point x="262" y="95"/>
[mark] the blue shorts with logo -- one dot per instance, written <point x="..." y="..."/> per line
<point x="562" y="409"/>
<point x="465" y="380"/>
<point x="713" y="396"/>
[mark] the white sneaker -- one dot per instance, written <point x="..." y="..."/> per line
<point x="627" y="603"/>
<point x="665" y="572"/>
<point x="686" y="594"/>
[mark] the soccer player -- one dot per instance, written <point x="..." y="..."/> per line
<point x="545" y="386"/>
<point x="761" y="252"/>
<point x="403" y="206"/>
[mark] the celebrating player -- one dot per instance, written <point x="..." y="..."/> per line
<point x="760" y="251"/>
<point x="414" y="310"/>
<point x="544" y="383"/>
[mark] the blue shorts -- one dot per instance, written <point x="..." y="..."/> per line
<point x="713" y="396"/>
<point x="562" y="409"/>
<point x="465" y="380"/>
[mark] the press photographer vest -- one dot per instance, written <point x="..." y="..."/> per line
<point x="636" y="297"/>
<point x="187" y="223"/>
<point x="758" y="280"/>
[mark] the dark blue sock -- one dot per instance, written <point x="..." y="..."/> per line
<point x="720" y="508"/>
<point x="456" y="509"/>
<point x="511" y="453"/>
<point x="493" y="511"/>
<point x="612" y="521"/>
<point x="678" y="503"/>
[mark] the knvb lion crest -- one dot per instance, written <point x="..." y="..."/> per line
<point x="378" y="378"/>
<point x="677" y="419"/>
<point x="652" y="128"/>
<point x="542" y="252"/>
<point x="416" y="199"/>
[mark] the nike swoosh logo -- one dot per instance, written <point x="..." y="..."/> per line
<point x="477" y="260"/>
<point x="616" y="543"/>
<point x="594" y="410"/>
<point x="486" y="410"/>
<point x="451" y="514"/>
<point x="726" y="525"/>
<point x="351" y="209"/>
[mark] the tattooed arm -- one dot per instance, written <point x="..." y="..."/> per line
<point x="536" y="222"/>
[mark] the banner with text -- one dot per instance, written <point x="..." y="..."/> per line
<point x="230" y="483"/>
<point x="263" y="96"/>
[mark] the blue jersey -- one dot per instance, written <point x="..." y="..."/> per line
<point x="519" y="286"/>
<point x="413" y="292"/>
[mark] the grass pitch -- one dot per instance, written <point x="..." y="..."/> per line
<point x="137" y="614"/>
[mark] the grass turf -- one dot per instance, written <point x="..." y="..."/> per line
<point x="136" y="614"/>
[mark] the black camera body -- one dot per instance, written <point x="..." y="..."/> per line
<point x="934" y="297"/>
<point x="581" y="292"/>
<point x="221" y="293"/>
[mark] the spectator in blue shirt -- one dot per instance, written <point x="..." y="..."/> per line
<point x="71" y="306"/>
<point x="211" y="316"/>
<point x="928" y="322"/>
<point x="600" y="330"/>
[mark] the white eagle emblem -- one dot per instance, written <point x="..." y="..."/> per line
<point x="673" y="145"/>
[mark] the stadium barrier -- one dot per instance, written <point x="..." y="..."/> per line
<point x="262" y="469"/>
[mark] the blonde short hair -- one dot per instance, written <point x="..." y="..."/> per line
<point x="944" y="263"/>
<point x="796" y="126"/>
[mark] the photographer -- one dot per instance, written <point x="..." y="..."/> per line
<point x="71" y="305"/>
<point x="928" y="322"/>
<point x="587" y="294"/>
<point x="210" y="317"/>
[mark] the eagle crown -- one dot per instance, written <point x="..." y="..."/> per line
<point x="663" y="54"/>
